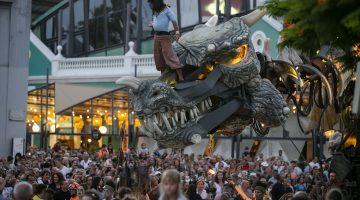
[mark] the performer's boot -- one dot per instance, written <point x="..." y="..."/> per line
<point x="179" y="74"/>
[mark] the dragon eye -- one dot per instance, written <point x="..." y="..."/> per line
<point x="241" y="52"/>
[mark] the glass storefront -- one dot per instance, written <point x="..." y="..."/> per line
<point x="98" y="25"/>
<point x="98" y="121"/>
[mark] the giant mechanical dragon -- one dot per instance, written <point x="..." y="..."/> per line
<point x="227" y="87"/>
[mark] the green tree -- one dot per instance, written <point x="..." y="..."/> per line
<point x="311" y="24"/>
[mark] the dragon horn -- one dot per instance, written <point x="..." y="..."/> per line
<point x="212" y="21"/>
<point x="251" y="18"/>
<point x="326" y="83"/>
<point x="130" y="82"/>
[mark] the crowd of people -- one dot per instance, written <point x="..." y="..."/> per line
<point x="66" y="174"/>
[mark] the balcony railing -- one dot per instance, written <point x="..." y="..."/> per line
<point x="130" y="64"/>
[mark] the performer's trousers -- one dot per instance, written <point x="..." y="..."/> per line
<point x="164" y="54"/>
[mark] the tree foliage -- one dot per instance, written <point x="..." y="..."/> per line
<point x="311" y="24"/>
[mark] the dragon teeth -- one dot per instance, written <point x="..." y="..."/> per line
<point x="157" y="129"/>
<point x="176" y="115"/>
<point x="167" y="124"/>
<point x="149" y="124"/>
<point x="182" y="117"/>
<point x="173" y="122"/>
<point x="195" y="112"/>
<point x="202" y="105"/>
<point x="209" y="102"/>
<point x="191" y="114"/>
<point x="155" y="119"/>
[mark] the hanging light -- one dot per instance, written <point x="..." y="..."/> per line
<point x="52" y="128"/>
<point x="36" y="128"/>
<point x="102" y="129"/>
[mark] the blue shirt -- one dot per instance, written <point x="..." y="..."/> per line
<point x="161" y="21"/>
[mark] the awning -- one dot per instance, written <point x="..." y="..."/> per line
<point x="68" y="95"/>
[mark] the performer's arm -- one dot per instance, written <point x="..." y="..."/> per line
<point x="172" y="18"/>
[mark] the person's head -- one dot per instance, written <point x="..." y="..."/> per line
<point x="57" y="178"/>
<point x="73" y="188"/>
<point x="258" y="193"/>
<point x="157" y="5"/>
<point x="48" y="194"/>
<point x="245" y="184"/>
<point x="332" y="177"/>
<point x="123" y="191"/>
<point x="109" y="191"/>
<point x="64" y="185"/>
<point x="90" y="195"/>
<point x="300" y="195"/>
<point x="200" y="185"/>
<point x="89" y="180"/>
<point x="23" y="191"/>
<point x="39" y="189"/>
<point x="170" y="183"/>
<point x="334" y="194"/>
<point x="219" y="177"/>
<point x="46" y="175"/>
<point x="143" y="145"/>
<point x="96" y="182"/>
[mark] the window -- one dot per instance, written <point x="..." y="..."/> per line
<point x="115" y="30"/>
<point x="79" y="44"/>
<point x="79" y="15"/>
<point x="96" y="8"/>
<point x="50" y="28"/>
<point x="96" y="33"/>
<point x="189" y="12"/>
<point x="65" y="19"/>
<point x="114" y="5"/>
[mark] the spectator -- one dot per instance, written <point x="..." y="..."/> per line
<point x="170" y="186"/>
<point x="23" y="191"/>
<point x="63" y="193"/>
<point x="39" y="190"/>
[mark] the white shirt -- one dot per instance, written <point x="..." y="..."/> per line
<point x="298" y="171"/>
<point x="217" y="165"/>
<point x="85" y="164"/>
<point x="203" y="194"/>
<point x="65" y="170"/>
<point x="314" y="164"/>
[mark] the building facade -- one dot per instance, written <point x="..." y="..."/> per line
<point x="14" y="62"/>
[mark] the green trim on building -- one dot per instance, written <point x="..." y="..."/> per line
<point x="49" y="12"/>
<point x="270" y="32"/>
<point x="38" y="62"/>
<point x="147" y="47"/>
<point x="99" y="84"/>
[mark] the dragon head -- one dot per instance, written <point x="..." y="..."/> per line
<point x="229" y="97"/>
<point x="164" y="114"/>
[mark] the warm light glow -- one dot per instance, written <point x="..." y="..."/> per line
<point x="52" y="128"/>
<point x="89" y="140"/>
<point x="211" y="8"/>
<point x="351" y="141"/>
<point x="102" y="129"/>
<point x="211" y="171"/>
<point x="329" y="133"/>
<point x="36" y="128"/>
<point x="241" y="54"/>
